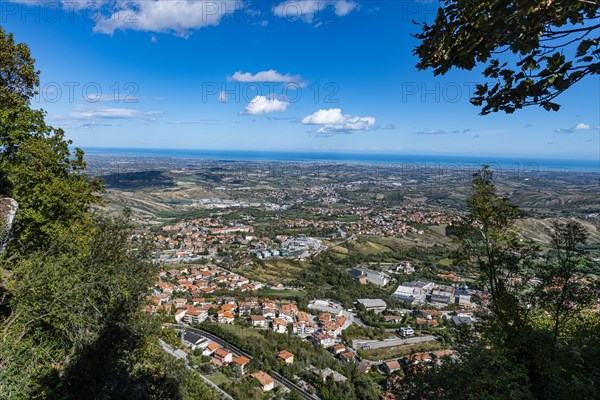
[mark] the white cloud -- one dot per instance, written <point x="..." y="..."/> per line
<point x="179" y="17"/>
<point x="264" y="105"/>
<point x="574" y="129"/>
<point x="343" y="7"/>
<point x="307" y="10"/>
<point x="431" y="132"/>
<point x="441" y="132"/>
<point x="115" y="98"/>
<point x="91" y="116"/>
<point x="87" y="113"/>
<point x="332" y="121"/>
<point x="263" y="76"/>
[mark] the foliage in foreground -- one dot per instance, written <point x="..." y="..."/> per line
<point x="540" y="339"/>
<point x="72" y="282"/>
<point x="531" y="51"/>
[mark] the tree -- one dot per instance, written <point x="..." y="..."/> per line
<point x="521" y="349"/>
<point x="37" y="167"/>
<point x="72" y="281"/>
<point x="563" y="291"/>
<point x="490" y="245"/>
<point x="534" y="51"/>
<point x="18" y="76"/>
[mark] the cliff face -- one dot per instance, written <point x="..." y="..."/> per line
<point x="8" y="212"/>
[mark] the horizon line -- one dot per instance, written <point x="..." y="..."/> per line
<point x="342" y="152"/>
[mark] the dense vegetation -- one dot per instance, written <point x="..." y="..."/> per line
<point x="540" y="339"/>
<point x="72" y="282"/>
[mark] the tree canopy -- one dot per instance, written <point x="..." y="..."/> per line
<point x="72" y="280"/>
<point x="539" y="339"/>
<point x="532" y="51"/>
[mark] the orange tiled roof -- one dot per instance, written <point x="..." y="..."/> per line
<point x="241" y="360"/>
<point x="284" y="354"/>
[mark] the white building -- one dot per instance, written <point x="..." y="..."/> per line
<point x="414" y="292"/>
<point x="408" y="331"/>
<point x="376" y="305"/>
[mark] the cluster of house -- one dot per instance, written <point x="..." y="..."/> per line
<point x="323" y="329"/>
<point x="197" y="281"/>
<point x="200" y="237"/>
<point x="278" y="318"/>
<point x="221" y="356"/>
<point x="208" y="237"/>
<point x="215" y="202"/>
<point x="394" y="223"/>
<point x="376" y="222"/>
<point x="422" y="291"/>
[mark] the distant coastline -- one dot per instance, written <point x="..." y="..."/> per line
<point x="512" y="163"/>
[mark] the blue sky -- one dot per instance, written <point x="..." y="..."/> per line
<point x="317" y="75"/>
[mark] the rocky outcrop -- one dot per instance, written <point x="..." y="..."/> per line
<point x="8" y="212"/>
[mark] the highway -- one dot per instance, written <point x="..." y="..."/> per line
<point x="238" y="352"/>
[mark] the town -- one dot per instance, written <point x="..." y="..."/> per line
<point x="334" y="283"/>
<point x="190" y="297"/>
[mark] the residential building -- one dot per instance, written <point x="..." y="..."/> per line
<point x="347" y="357"/>
<point x="390" y="366"/>
<point x="223" y="356"/>
<point x="364" y="367"/>
<point x="424" y="323"/>
<point x="338" y="349"/>
<point x="195" y="315"/>
<point x="286" y="356"/>
<point x="210" y="349"/>
<point x="225" y="317"/>
<point x="419" y="358"/>
<point x="241" y="363"/>
<point x="266" y="381"/>
<point x="258" y="321"/>
<point x="304" y="328"/>
<point x="279" y="325"/>
<point x="323" y="339"/>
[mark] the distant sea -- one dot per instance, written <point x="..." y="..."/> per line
<point x="510" y="163"/>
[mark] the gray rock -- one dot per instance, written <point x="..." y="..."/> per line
<point x="8" y="212"/>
